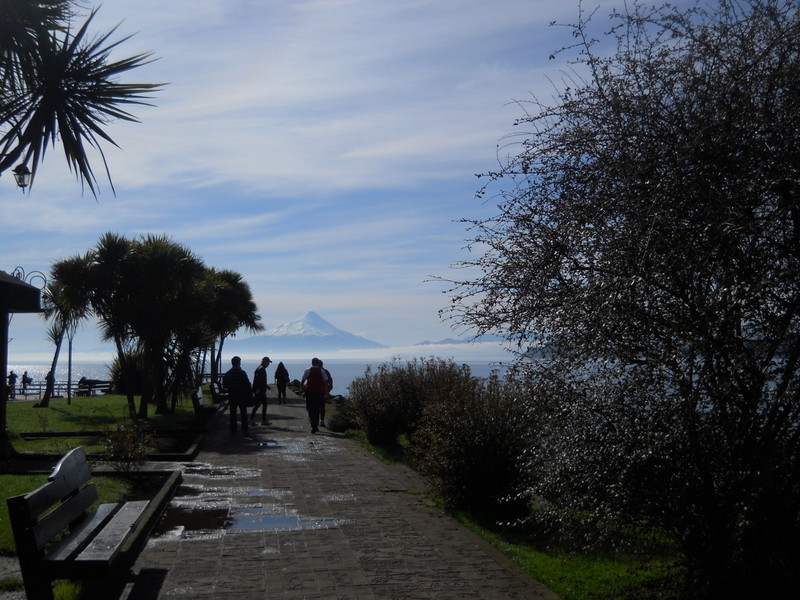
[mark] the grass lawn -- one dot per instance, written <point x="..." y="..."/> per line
<point x="576" y="574"/>
<point x="91" y="414"/>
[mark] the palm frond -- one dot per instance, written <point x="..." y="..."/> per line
<point x="70" y="93"/>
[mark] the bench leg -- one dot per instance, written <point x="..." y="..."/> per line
<point x="37" y="587"/>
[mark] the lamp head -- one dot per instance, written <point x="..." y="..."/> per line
<point x="22" y="175"/>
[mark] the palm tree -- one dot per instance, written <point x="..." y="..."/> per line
<point x="112" y="298"/>
<point x="231" y="308"/>
<point x="187" y="348"/>
<point x="167" y="276"/>
<point x="58" y="83"/>
<point x="66" y="304"/>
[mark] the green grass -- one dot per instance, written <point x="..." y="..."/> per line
<point x="89" y="414"/>
<point x="583" y="575"/>
<point x="392" y="454"/>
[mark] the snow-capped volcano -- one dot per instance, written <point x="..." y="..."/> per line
<point x="309" y="333"/>
<point x="309" y="325"/>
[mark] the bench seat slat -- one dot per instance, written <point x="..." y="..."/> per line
<point x="108" y="542"/>
<point x="64" y="514"/>
<point x="81" y="535"/>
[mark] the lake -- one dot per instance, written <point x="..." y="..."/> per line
<point x="342" y="370"/>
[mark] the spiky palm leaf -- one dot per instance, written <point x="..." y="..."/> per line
<point x="68" y="91"/>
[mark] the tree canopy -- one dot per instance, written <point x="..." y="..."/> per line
<point x="647" y="247"/>
<point x="155" y="299"/>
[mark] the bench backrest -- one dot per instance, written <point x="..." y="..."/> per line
<point x="68" y="488"/>
<point x="217" y="393"/>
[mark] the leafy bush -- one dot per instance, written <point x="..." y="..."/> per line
<point x="388" y="402"/>
<point x="126" y="445"/>
<point x="472" y="442"/>
<point x="343" y="417"/>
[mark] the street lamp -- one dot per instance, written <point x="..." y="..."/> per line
<point x="22" y="175"/>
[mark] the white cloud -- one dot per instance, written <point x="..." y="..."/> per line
<point x="323" y="149"/>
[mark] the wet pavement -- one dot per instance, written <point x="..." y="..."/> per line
<point x="290" y="515"/>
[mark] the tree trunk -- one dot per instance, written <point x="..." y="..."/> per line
<point x="126" y="375"/>
<point x="50" y="381"/>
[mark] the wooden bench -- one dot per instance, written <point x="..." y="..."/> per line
<point x="218" y="395"/>
<point x="58" y="537"/>
<point x="92" y="387"/>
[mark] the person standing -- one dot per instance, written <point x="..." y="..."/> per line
<point x="281" y="381"/>
<point x="314" y="382"/>
<point x="328" y="389"/>
<point x="260" y="388"/>
<point x="26" y="380"/>
<point x="12" y="385"/>
<point x="238" y="386"/>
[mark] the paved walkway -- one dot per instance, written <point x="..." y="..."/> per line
<point x="288" y="515"/>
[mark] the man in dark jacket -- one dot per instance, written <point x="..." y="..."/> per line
<point x="260" y="388"/>
<point x="237" y="383"/>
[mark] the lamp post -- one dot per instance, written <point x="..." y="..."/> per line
<point x="22" y="175"/>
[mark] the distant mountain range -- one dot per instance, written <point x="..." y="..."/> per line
<point x="309" y="333"/>
<point x="480" y="338"/>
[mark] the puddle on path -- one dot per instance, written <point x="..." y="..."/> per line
<point x="212" y="472"/>
<point x="203" y="523"/>
<point x="198" y="512"/>
<point x="269" y="445"/>
<point x="297" y="449"/>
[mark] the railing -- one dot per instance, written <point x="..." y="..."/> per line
<point x="60" y="390"/>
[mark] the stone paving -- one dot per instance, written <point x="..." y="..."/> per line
<point x="284" y="514"/>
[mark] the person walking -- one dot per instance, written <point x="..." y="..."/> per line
<point x="260" y="388"/>
<point x="326" y="397"/>
<point x="237" y="383"/>
<point x="12" y="385"/>
<point x="314" y="383"/>
<point x="281" y="381"/>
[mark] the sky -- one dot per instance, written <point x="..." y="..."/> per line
<point x="325" y="149"/>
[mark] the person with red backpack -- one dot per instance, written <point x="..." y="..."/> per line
<point x="315" y="384"/>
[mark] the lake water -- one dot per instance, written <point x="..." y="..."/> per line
<point x="343" y="371"/>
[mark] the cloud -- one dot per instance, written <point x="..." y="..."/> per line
<point x="323" y="149"/>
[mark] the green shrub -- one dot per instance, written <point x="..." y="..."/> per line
<point x="126" y="445"/>
<point x="343" y="416"/>
<point x="388" y="402"/>
<point x="471" y="445"/>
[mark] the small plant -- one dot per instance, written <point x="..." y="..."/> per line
<point x="126" y="445"/>
<point x="44" y="420"/>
